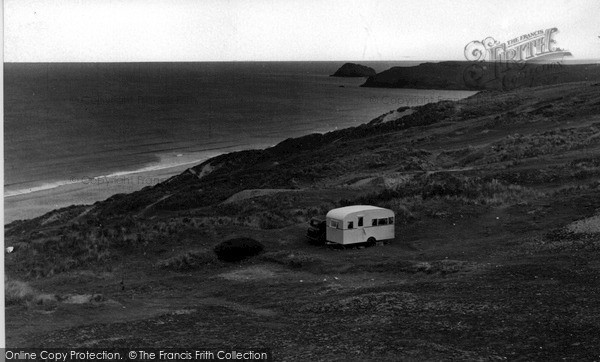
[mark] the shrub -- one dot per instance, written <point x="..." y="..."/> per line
<point x="238" y="249"/>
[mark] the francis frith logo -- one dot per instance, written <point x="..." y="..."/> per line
<point x="524" y="61"/>
<point x="537" y="45"/>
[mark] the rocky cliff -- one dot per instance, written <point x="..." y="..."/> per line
<point x="354" y="70"/>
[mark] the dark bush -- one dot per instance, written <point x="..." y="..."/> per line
<point x="238" y="249"/>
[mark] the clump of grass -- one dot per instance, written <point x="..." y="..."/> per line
<point x="238" y="249"/>
<point x="273" y="220"/>
<point x="17" y="292"/>
<point x="562" y="239"/>
<point x="188" y="261"/>
<point x="591" y="225"/>
<point x="295" y="259"/>
<point x="571" y="189"/>
<point x="441" y="267"/>
<point x="519" y="146"/>
<point x="55" y="254"/>
<point x="271" y="211"/>
<point x="419" y="191"/>
<point x="62" y="249"/>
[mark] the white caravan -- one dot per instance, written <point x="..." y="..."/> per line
<point x="359" y="224"/>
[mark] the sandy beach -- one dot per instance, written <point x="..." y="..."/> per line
<point x="88" y="190"/>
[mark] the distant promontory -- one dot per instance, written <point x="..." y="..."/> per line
<point x="458" y="75"/>
<point x="354" y="70"/>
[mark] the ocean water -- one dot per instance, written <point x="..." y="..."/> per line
<point x="65" y="122"/>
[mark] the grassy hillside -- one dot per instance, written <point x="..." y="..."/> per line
<point x="481" y="76"/>
<point x="496" y="199"/>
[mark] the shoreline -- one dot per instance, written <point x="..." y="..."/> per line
<point x="98" y="179"/>
<point x="88" y="190"/>
<point x="38" y="199"/>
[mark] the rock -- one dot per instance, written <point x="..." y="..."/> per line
<point x="354" y="70"/>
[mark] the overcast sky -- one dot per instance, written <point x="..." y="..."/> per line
<point x="214" y="30"/>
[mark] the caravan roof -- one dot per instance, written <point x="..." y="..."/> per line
<point x="342" y="212"/>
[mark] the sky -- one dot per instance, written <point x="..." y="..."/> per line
<point x="284" y="30"/>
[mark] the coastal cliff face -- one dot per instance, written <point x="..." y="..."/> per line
<point x="481" y="76"/>
<point x="354" y="70"/>
<point x="496" y="200"/>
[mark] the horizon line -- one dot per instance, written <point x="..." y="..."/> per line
<point x="271" y="61"/>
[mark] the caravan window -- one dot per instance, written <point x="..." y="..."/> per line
<point x="350" y="224"/>
<point x="360" y="221"/>
<point x="334" y="224"/>
<point x="383" y="221"/>
<point x="391" y="220"/>
<point x="374" y="222"/>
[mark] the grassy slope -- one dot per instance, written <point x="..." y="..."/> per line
<point x="482" y="266"/>
<point x="473" y="75"/>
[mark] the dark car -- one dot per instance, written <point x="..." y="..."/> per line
<point x="316" y="230"/>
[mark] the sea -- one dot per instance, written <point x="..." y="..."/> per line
<point x="68" y="122"/>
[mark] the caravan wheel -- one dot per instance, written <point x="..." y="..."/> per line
<point x="371" y="241"/>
